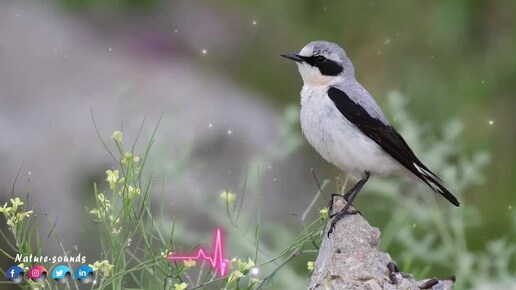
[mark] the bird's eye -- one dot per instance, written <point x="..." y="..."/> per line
<point x="320" y="58"/>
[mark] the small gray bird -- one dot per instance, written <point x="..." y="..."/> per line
<point x="345" y="125"/>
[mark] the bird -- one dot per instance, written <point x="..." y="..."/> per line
<point x="345" y="125"/>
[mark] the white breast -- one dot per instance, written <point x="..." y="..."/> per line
<point x="339" y="141"/>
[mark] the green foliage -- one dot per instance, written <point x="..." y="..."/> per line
<point x="23" y="237"/>
<point x="451" y="58"/>
<point x="423" y="232"/>
<point x="136" y="240"/>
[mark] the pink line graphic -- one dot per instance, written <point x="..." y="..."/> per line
<point x="217" y="260"/>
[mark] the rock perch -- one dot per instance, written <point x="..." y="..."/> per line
<point x="350" y="259"/>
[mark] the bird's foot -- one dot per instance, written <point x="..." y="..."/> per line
<point x="395" y="275"/>
<point x="338" y="216"/>
<point x="332" y="202"/>
<point x="429" y="284"/>
<point x="354" y="211"/>
<point x="394" y="271"/>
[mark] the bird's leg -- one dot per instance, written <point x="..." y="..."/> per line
<point x="345" y="196"/>
<point x="352" y="195"/>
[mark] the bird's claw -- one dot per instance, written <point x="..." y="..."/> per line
<point x="338" y="216"/>
<point x="394" y="272"/>
<point x="434" y="281"/>
<point x="331" y="203"/>
<point x="354" y="211"/>
<point x="429" y="284"/>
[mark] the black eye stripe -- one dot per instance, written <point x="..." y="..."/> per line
<point x="320" y="58"/>
<point x="327" y="67"/>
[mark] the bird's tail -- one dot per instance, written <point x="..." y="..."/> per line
<point x="430" y="179"/>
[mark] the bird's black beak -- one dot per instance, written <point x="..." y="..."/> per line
<point x="292" y="56"/>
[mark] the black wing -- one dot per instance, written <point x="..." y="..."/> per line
<point x="390" y="141"/>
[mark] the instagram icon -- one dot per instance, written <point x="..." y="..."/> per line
<point x="37" y="273"/>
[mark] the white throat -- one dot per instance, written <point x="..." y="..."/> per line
<point x="312" y="77"/>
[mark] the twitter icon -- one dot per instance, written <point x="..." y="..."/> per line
<point x="61" y="273"/>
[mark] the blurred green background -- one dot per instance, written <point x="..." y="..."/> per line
<point x="450" y="59"/>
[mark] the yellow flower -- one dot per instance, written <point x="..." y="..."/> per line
<point x="189" y="263"/>
<point x="181" y="286"/>
<point x="103" y="267"/>
<point x="6" y="210"/>
<point x="11" y="222"/>
<point x="104" y="202"/>
<point x="132" y="192"/>
<point x="103" y="208"/>
<point x="235" y="276"/>
<point x="23" y="266"/>
<point x="112" y="178"/>
<point x="129" y="158"/>
<point x="229" y="198"/>
<point x="21" y="215"/>
<point x="95" y="213"/>
<point x="242" y="266"/>
<point x="324" y="214"/>
<point x="117" y="136"/>
<point x="16" y="202"/>
<point x="166" y="253"/>
<point x="101" y="197"/>
<point x="310" y="266"/>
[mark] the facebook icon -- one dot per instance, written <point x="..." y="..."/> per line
<point x="15" y="274"/>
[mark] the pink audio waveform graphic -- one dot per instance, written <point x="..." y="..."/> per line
<point x="216" y="260"/>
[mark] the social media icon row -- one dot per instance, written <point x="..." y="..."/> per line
<point x="61" y="274"/>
